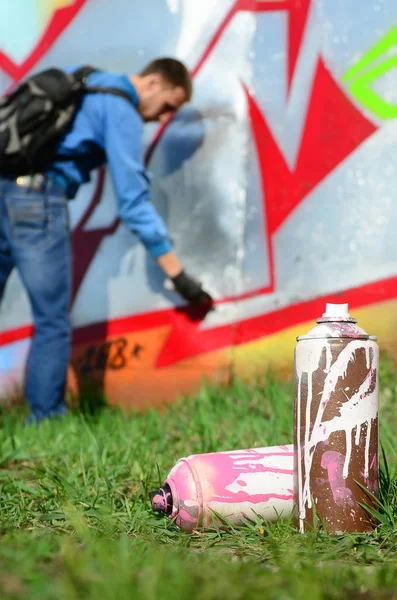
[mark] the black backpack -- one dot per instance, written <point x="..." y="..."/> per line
<point x="36" y="114"/>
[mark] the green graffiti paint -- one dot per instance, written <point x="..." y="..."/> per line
<point x="360" y="76"/>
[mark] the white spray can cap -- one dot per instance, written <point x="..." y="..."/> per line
<point x="336" y="310"/>
<point x="336" y="322"/>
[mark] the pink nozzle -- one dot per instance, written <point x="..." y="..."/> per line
<point x="161" y="500"/>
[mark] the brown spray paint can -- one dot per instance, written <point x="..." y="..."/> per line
<point x="336" y="424"/>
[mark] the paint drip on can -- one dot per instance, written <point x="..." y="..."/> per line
<point x="234" y="485"/>
<point x="336" y="424"/>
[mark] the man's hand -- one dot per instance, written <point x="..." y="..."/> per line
<point x="191" y="290"/>
<point x="188" y="288"/>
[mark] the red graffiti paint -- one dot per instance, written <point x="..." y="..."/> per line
<point x="186" y="340"/>
<point x="349" y="130"/>
<point x="61" y="18"/>
<point x="282" y="189"/>
<point x="86" y="243"/>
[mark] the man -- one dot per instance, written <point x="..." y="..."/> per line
<point x="34" y="234"/>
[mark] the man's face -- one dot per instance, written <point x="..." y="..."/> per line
<point x="160" y="100"/>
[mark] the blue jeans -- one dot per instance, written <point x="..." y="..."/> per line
<point x="34" y="238"/>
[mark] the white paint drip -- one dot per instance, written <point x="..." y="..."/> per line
<point x="357" y="438"/>
<point x="367" y="441"/>
<point x="328" y="357"/>
<point x="367" y="357"/>
<point x="307" y="363"/>
<point x="348" y="454"/>
<point x="307" y="431"/>
<point x="360" y="409"/>
<point x="299" y="457"/>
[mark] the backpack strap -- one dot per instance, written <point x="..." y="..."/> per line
<point x="82" y="74"/>
<point x="108" y="90"/>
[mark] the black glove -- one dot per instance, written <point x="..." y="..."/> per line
<point x="191" y="290"/>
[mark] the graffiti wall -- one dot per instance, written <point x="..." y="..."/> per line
<point x="277" y="183"/>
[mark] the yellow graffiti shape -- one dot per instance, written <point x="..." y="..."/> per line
<point x="23" y="22"/>
<point x="46" y="8"/>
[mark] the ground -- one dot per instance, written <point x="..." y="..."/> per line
<point x="76" y="521"/>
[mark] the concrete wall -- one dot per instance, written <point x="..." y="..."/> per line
<point x="278" y="184"/>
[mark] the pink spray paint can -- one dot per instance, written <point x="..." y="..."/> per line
<point x="235" y="485"/>
<point x="336" y="423"/>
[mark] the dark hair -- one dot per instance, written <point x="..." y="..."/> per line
<point x="173" y="72"/>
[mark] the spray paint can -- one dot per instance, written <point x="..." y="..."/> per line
<point x="235" y="485"/>
<point x="336" y="423"/>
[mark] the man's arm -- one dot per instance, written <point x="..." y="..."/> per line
<point x="170" y="264"/>
<point x="122" y="137"/>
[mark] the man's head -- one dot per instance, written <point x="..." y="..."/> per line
<point x="163" y="86"/>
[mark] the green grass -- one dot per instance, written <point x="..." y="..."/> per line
<point x="76" y="521"/>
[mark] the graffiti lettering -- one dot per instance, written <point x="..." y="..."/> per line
<point x="136" y="351"/>
<point x="373" y="65"/>
<point x="118" y="360"/>
<point x="108" y="355"/>
<point x="102" y="355"/>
